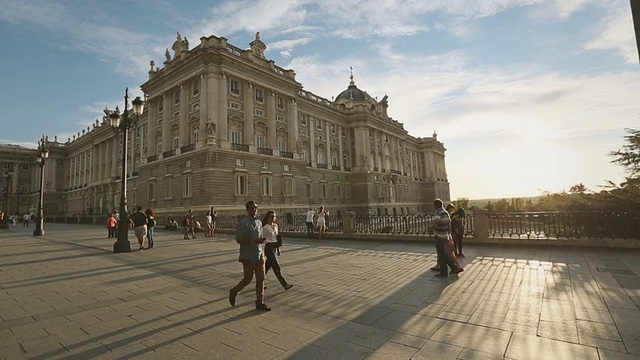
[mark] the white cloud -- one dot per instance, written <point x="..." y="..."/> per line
<point x="616" y="32"/>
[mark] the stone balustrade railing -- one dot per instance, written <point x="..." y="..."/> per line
<point x="611" y="229"/>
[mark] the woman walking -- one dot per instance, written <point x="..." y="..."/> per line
<point x="270" y="231"/>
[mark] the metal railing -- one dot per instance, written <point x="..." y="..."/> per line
<point x="565" y="225"/>
<point x="523" y="225"/>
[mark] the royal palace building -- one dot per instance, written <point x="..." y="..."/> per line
<point x="223" y="125"/>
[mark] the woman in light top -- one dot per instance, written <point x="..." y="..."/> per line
<point x="270" y="231"/>
<point x="209" y="221"/>
<point x="321" y="221"/>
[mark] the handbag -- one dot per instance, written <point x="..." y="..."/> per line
<point x="279" y="238"/>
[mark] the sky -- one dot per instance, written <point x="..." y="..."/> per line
<point x="528" y="96"/>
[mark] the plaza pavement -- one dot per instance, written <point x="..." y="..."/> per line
<point x="66" y="295"/>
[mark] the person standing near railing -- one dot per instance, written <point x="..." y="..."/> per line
<point x="442" y="230"/>
<point x="310" y="214"/>
<point x="457" y="228"/>
<point x="322" y="221"/>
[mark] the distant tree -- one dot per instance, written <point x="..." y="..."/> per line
<point x="578" y="189"/>
<point x="462" y="202"/>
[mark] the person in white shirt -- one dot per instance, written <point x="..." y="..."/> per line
<point x="310" y="215"/>
<point x="209" y="221"/>
<point x="270" y="231"/>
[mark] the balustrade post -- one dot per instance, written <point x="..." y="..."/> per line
<point x="481" y="224"/>
<point x="347" y="223"/>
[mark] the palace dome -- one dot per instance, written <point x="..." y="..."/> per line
<point x="353" y="93"/>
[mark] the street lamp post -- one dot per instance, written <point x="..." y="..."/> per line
<point x="42" y="159"/>
<point x="122" y="123"/>
<point x="5" y="221"/>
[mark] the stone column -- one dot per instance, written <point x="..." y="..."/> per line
<point x="340" y="154"/>
<point x="223" y="132"/>
<point x="248" y="117"/>
<point x="152" y="146"/>
<point x="480" y="224"/>
<point x="376" y="151"/>
<point x="184" y="117"/>
<point x="292" y="131"/>
<point x="428" y="166"/>
<point x="204" y="112"/>
<point x="166" y="123"/>
<point x="327" y="136"/>
<point x="393" y="149"/>
<point x="272" y="141"/>
<point x="116" y="155"/>
<point x="362" y="151"/>
<point x="312" y="142"/>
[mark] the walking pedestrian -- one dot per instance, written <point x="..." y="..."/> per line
<point x="271" y="232"/>
<point x="310" y="215"/>
<point x="151" y="224"/>
<point x="188" y="225"/>
<point x="442" y="230"/>
<point x="458" y="216"/>
<point x="249" y="236"/>
<point x="139" y="220"/>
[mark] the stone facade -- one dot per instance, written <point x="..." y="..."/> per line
<point x="223" y="125"/>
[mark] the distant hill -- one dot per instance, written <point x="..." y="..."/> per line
<point x="481" y="203"/>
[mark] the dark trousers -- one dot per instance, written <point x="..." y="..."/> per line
<point x="112" y="231"/>
<point x="310" y="228"/>
<point x="248" y="269"/>
<point x="272" y="263"/>
<point x="457" y="241"/>
<point x="444" y="257"/>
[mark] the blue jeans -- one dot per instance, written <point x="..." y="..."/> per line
<point x="150" y="237"/>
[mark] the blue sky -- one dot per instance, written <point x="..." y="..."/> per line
<point x="527" y="95"/>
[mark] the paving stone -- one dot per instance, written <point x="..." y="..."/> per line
<point x="558" y="330"/>
<point x="532" y="347"/>
<point x="437" y="350"/>
<point x="606" y="354"/>
<point x="172" y="302"/>
<point x="474" y="337"/>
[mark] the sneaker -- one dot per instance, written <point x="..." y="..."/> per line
<point x="435" y="268"/>
<point x="263" y="307"/>
<point x="456" y="271"/>
<point x="441" y="275"/>
<point x="232" y="297"/>
<point x="288" y="286"/>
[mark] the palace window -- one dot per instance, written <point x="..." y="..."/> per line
<point x="234" y="87"/>
<point x="187" y="186"/>
<point x="176" y="97"/>
<point x="280" y="102"/>
<point x="318" y="124"/>
<point x="241" y="184"/>
<point x="266" y="186"/>
<point x="176" y="140"/>
<point x="235" y="106"/>
<point x="235" y="137"/>
<point x="151" y="193"/>
<point x="288" y="186"/>
<point x="259" y="96"/>
<point x="196" y="87"/>
<point x="303" y="119"/>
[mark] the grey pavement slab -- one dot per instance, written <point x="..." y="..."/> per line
<point x="67" y="295"/>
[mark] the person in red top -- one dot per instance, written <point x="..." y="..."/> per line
<point x="112" y="225"/>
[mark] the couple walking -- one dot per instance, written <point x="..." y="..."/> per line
<point x="259" y="241"/>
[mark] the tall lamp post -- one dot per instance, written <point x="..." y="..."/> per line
<point x="122" y="123"/>
<point x="5" y="221"/>
<point x="42" y="159"/>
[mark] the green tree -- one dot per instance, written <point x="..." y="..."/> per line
<point x="629" y="155"/>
